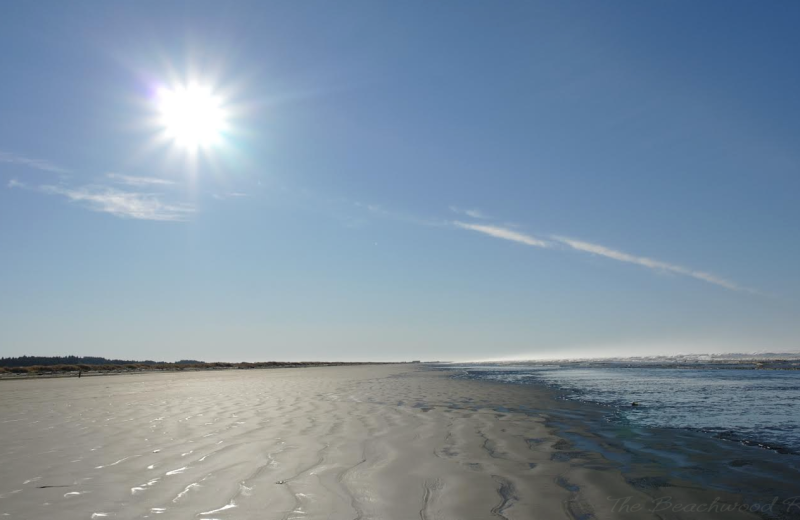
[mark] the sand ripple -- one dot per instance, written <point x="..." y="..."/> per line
<point x="375" y="442"/>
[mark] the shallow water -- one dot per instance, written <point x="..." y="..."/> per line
<point x="756" y="407"/>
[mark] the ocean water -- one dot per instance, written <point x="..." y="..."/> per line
<point x="754" y="407"/>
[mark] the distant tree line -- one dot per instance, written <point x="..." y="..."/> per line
<point x="51" y="365"/>
<point x="27" y="361"/>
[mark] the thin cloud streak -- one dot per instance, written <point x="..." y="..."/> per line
<point x="229" y="195"/>
<point x="138" y="182"/>
<point x="38" y="164"/>
<point x="596" y="249"/>
<point x="474" y="213"/>
<point x="123" y="204"/>
<point x="107" y="199"/>
<point x="506" y="234"/>
<point x="379" y="211"/>
<point x="650" y="263"/>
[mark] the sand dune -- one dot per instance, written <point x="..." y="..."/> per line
<point x="371" y="442"/>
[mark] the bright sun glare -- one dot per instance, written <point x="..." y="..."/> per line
<point x="192" y="116"/>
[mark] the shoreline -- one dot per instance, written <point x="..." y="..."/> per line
<point x="689" y="454"/>
<point x="617" y="410"/>
<point x="378" y="441"/>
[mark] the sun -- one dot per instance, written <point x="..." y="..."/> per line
<point x="192" y="116"/>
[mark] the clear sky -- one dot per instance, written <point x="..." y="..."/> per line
<point x="398" y="180"/>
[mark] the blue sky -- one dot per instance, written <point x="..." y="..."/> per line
<point x="404" y="180"/>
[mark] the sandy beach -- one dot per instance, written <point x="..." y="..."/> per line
<point x="354" y="442"/>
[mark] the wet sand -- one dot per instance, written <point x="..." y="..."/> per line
<point x="355" y="442"/>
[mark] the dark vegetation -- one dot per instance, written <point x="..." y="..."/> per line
<point x="28" y="361"/>
<point x="53" y="365"/>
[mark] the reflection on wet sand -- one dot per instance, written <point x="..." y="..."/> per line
<point x="390" y="442"/>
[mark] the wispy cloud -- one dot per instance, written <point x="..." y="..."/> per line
<point x="586" y="247"/>
<point x="123" y="204"/>
<point x="38" y="164"/>
<point x="380" y="211"/>
<point x="229" y="195"/>
<point x="139" y="182"/>
<point x="374" y="208"/>
<point x="134" y="202"/>
<point x="474" y="213"/>
<point x="504" y="233"/>
<point x="650" y="263"/>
